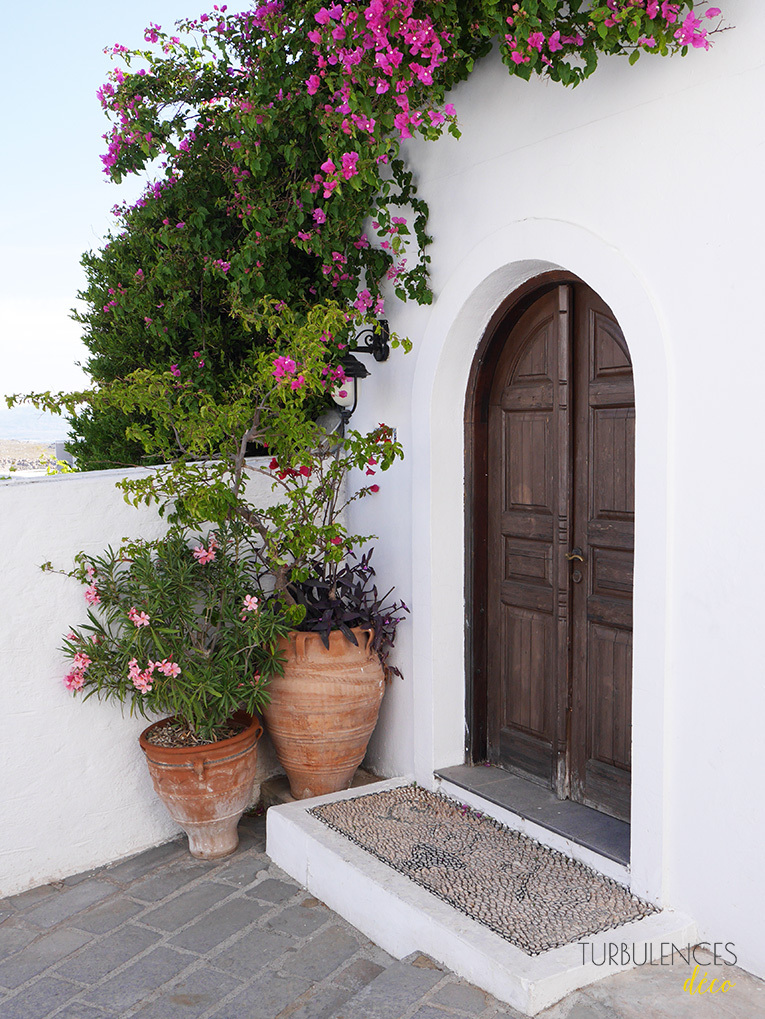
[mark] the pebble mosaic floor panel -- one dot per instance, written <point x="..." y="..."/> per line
<point x="534" y="897"/>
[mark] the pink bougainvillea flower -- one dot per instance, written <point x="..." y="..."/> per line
<point x="713" y="12"/>
<point x="374" y="488"/>
<point x="175" y="370"/>
<point x="336" y="541"/>
<point x="691" y="33"/>
<point x="328" y="166"/>
<point x="283" y="366"/>
<point x="349" y="160"/>
<point x="180" y="226"/>
<point x="319" y="215"/>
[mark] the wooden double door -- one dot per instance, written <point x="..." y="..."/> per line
<point x="560" y="538"/>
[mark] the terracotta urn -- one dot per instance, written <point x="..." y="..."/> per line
<point x="323" y="709"/>
<point x="206" y="789"/>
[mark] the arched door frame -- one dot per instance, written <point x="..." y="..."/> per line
<point x="478" y="287"/>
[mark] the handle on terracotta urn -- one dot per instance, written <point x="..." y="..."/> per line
<point x="370" y="637"/>
<point x="300" y="639"/>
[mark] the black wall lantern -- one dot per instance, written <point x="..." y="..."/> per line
<point x="374" y="341"/>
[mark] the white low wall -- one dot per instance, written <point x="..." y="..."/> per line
<point x="75" y="792"/>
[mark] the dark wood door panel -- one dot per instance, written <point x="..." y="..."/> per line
<point x="560" y="478"/>
<point x="522" y="544"/>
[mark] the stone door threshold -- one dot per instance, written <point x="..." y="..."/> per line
<point x="604" y="835"/>
<point x="403" y="917"/>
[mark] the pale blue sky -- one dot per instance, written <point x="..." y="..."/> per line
<point x="54" y="199"/>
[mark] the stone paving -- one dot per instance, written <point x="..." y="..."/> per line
<point x="164" y="936"/>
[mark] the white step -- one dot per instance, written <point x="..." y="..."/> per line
<point x="403" y="917"/>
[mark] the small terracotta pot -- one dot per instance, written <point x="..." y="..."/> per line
<point x="324" y="708"/>
<point x="206" y="789"/>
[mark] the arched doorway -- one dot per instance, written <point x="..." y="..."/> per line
<point x="550" y="429"/>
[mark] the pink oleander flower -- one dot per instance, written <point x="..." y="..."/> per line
<point x="168" y="668"/>
<point x="251" y="603"/>
<point x="138" y="618"/>
<point x="204" y="555"/>
<point x="141" y="680"/>
<point x="92" y="597"/>
<point x="74" y="681"/>
<point x="81" y="661"/>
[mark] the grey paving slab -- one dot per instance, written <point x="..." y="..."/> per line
<point x="109" y="953"/>
<point x="658" y="991"/>
<point x="299" y="921"/>
<point x="80" y="1010"/>
<point x="588" y="1010"/>
<point x="68" y="902"/>
<point x="433" y="1012"/>
<point x="136" y="866"/>
<point x="104" y="918"/>
<point x="252" y="952"/>
<point x="40" y="954"/>
<point x="357" y="974"/>
<point x="14" y="938"/>
<point x="322" y="954"/>
<point x="216" y="925"/>
<point x="191" y="996"/>
<point x="24" y="900"/>
<point x="391" y="994"/>
<point x="322" y="1003"/>
<point x="273" y="890"/>
<point x="243" y="870"/>
<point x="136" y="982"/>
<point x="158" y="885"/>
<point x="39" y="999"/>
<point x="187" y="905"/>
<point x="464" y="997"/>
<point x="265" y="998"/>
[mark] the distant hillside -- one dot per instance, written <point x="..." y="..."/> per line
<point x="34" y="425"/>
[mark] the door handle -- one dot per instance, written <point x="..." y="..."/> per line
<point x="575" y="554"/>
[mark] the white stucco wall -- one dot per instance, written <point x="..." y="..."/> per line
<point x="647" y="183"/>
<point x="75" y="792"/>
